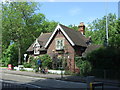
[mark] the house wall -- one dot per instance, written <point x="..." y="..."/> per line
<point x="78" y="51"/>
<point x="68" y="48"/>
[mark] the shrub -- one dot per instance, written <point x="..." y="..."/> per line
<point x="46" y="61"/>
<point x="9" y="56"/>
<point x="105" y="58"/>
<point x="84" y="65"/>
<point x="27" y="65"/>
<point x="33" y="63"/>
<point x="67" y="72"/>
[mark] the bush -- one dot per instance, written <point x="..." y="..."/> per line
<point x="67" y="72"/>
<point x="5" y="61"/>
<point x="9" y="56"/>
<point x="84" y="65"/>
<point x="46" y="61"/>
<point x="33" y="63"/>
<point x="27" y="65"/>
<point x="105" y="58"/>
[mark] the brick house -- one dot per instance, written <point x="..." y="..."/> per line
<point x="62" y="42"/>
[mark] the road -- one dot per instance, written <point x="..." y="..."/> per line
<point x="32" y="81"/>
<point x="35" y="82"/>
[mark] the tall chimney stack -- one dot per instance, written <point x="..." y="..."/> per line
<point x="81" y="28"/>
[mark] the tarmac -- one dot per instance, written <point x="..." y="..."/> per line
<point x="60" y="77"/>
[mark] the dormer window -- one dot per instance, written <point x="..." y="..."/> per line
<point x="36" y="47"/>
<point x="59" y="43"/>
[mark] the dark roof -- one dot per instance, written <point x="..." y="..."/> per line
<point x="42" y="39"/>
<point x="75" y="36"/>
<point x="91" y="48"/>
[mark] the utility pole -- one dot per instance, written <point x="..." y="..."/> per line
<point x="106" y="26"/>
<point x="119" y="9"/>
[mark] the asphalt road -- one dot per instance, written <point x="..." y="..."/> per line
<point x="37" y="82"/>
<point x="34" y="82"/>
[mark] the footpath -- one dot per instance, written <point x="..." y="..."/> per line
<point x="61" y="77"/>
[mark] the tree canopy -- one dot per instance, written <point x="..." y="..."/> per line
<point x="97" y="29"/>
<point x="21" y="24"/>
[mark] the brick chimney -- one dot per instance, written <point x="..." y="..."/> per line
<point x="81" y="28"/>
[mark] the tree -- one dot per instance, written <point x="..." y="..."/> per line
<point x="8" y="56"/>
<point x="73" y="27"/>
<point x="97" y="28"/>
<point x="20" y="22"/>
<point x="114" y="40"/>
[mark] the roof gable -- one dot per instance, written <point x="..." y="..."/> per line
<point x="56" y="29"/>
<point x="74" y="37"/>
<point x="42" y="39"/>
<point x="36" y="43"/>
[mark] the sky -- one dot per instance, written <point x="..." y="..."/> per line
<point x="75" y="12"/>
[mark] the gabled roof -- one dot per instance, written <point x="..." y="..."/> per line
<point x="74" y="37"/>
<point x="42" y="39"/>
<point x="37" y="43"/>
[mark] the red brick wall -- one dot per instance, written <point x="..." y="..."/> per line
<point x="69" y="49"/>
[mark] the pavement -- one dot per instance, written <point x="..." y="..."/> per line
<point x="59" y="77"/>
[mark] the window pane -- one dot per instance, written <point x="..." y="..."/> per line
<point x="59" y="44"/>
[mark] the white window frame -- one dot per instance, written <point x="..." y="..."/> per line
<point x="36" y="47"/>
<point x="58" y="47"/>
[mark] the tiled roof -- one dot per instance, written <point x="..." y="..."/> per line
<point x="75" y="36"/>
<point x="42" y="39"/>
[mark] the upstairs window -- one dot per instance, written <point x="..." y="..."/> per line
<point x="59" y="44"/>
<point x="36" y="47"/>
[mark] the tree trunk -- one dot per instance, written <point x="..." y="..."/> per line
<point x="19" y="55"/>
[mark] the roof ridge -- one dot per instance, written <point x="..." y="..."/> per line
<point x="72" y="29"/>
<point x="82" y="37"/>
<point x="67" y="27"/>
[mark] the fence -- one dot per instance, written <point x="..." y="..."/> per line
<point x="6" y="85"/>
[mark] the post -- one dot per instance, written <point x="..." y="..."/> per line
<point x="106" y="26"/>
<point x="89" y="80"/>
<point x="61" y="74"/>
<point x="25" y="55"/>
<point x="96" y="84"/>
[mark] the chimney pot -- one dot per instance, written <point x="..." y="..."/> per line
<point x="81" y="28"/>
